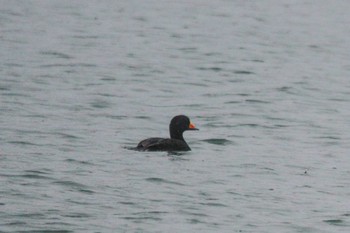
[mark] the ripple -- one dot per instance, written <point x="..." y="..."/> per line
<point x="233" y="102"/>
<point x="143" y="117"/>
<point x="177" y="155"/>
<point x="141" y="218"/>
<point x="281" y="126"/>
<point x="258" y="60"/>
<point x="117" y="117"/>
<point x="23" y="143"/>
<point x="338" y="100"/>
<point x="30" y="215"/>
<point x="108" y="78"/>
<point x="68" y="65"/>
<point x="257" y="101"/>
<point x="188" y="49"/>
<point x="218" y="141"/>
<point x="337" y="222"/>
<point x="248" y="125"/>
<point x="16" y="223"/>
<point x="130" y="148"/>
<point x="161" y="180"/>
<point x="13" y="65"/>
<point x="79" y="161"/>
<point x="285" y="89"/>
<point x="194" y="221"/>
<point x="329" y="137"/>
<point x="77" y="215"/>
<point x="47" y="231"/>
<point x="56" y="54"/>
<point x="215" y="204"/>
<point x="75" y="185"/>
<point x="215" y="69"/>
<point x="100" y="104"/>
<point x="36" y="176"/>
<point x="243" y="72"/>
<point x="146" y="215"/>
<point x="194" y="212"/>
<point x="66" y="135"/>
<point x="3" y="88"/>
<point x="127" y="203"/>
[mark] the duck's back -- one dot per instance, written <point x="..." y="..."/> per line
<point x="163" y="144"/>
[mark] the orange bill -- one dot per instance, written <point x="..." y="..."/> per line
<point x="192" y="126"/>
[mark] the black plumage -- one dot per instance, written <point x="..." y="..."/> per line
<point x="176" y="142"/>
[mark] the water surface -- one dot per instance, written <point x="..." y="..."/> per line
<point x="267" y="84"/>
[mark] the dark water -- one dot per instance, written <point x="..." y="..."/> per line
<point x="267" y="83"/>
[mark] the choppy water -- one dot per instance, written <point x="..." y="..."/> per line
<point x="267" y="83"/>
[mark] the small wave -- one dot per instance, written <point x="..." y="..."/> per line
<point x="68" y="65"/>
<point x="138" y="218"/>
<point x="329" y="137"/>
<point x="5" y="88"/>
<point x="24" y="143"/>
<point x="37" y="171"/>
<point x="177" y="155"/>
<point x="284" y="89"/>
<point x="13" y="65"/>
<point x="248" y="125"/>
<point x="337" y="222"/>
<point x="56" y="54"/>
<point x="32" y="215"/>
<point x="218" y="141"/>
<point x="215" y="69"/>
<point x="77" y="215"/>
<point x="78" y="161"/>
<point x="131" y="148"/>
<point x="127" y="203"/>
<point x="161" y="180"/>
<point x="66" y="135"/>
<point x="100" y="104"/>
<point x="36" y="176"/>
<point x="48" y="231"/>
<point x="243" y="72"/>
<point x="74" y="185"/>
<point x="257" y="101"/>
<point x="216" y="204"/>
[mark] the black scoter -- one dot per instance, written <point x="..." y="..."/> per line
<point x="176" y="142"/>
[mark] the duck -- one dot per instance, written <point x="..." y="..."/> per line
<point x="178" y="125"/>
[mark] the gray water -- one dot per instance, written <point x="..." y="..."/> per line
<point x="266" y="82"/>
